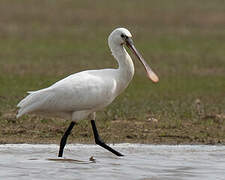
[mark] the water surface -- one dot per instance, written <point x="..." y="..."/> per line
<point x="146" y="162"/>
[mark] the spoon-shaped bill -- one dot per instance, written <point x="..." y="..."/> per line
<point x="151" y="75"/>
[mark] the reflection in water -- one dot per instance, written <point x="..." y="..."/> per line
<point x="156" y="162"/>
<point x="91" y="160"/>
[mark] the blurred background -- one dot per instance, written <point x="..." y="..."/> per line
<point x="183" y="41"/>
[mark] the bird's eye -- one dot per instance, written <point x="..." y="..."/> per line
<point x="123" y="36"/>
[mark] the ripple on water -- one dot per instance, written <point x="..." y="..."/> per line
<point x="28" y="161"/>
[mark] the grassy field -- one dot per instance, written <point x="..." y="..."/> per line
<point x="184" y="42"/>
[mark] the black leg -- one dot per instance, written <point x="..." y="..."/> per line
<point x="100" y="142"/>
<point x="64" y="138"/>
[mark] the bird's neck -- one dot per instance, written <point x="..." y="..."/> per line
<point x="125" y="71"/>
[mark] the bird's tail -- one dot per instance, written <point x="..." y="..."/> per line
<point x="30" y="102"/>
<point x="24" y="105"/>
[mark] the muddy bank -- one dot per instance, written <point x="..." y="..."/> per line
<point x="33" y="129"/>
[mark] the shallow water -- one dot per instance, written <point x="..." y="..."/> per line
<point x="155" y="162"/>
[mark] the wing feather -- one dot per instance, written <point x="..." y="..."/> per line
<point x="80" y="91"/>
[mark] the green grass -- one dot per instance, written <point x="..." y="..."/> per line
<point x="183" y="41"/>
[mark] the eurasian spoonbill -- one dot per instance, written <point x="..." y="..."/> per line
<point x="80" y="95"/>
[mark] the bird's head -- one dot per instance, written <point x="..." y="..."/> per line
<point x="120" y="37"/>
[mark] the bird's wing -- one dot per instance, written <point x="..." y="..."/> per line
<point x="80" y="91"/>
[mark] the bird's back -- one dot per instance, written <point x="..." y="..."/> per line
<point x="87" y="90"/>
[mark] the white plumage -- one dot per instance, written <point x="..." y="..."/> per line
<point x="86" y="92"/>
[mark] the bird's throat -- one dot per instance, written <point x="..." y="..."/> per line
<point x="126" y="66"/>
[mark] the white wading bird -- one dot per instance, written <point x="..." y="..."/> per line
<point x="80" y="95"/>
